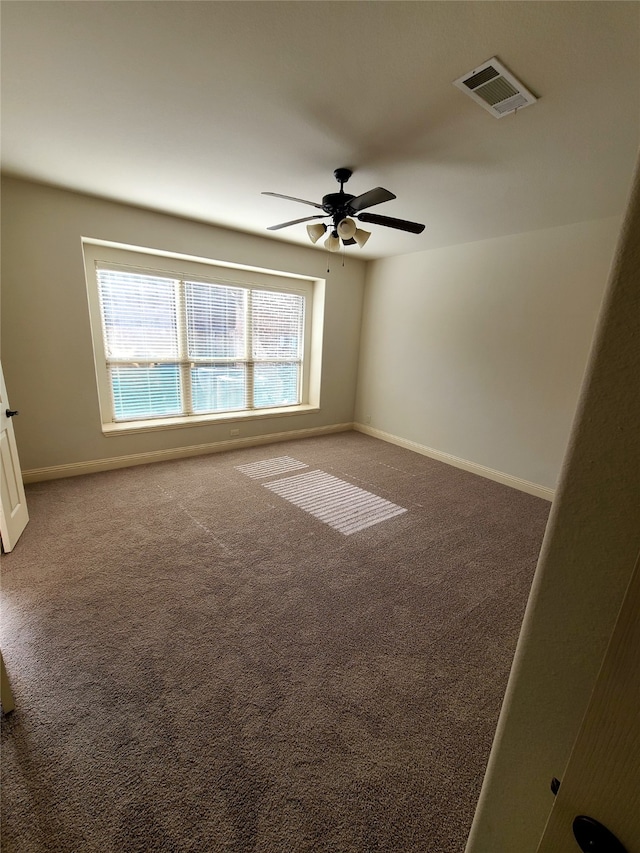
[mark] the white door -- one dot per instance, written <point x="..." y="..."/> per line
<point x="13" y="505"/>
<point x="602" y="778"/>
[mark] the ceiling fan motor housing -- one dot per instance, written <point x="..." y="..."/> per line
<point x="337" y="205"/>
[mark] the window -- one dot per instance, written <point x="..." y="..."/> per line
<point x="178" y="341"/>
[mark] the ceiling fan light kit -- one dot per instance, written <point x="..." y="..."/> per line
<point x="316" y="230"/>
<point x="361" y="236"/>
<point x="344" y="209"/>
<point x="332" y="243"/>
<point x="347" y="228"/>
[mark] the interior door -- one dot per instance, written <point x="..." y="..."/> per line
<point x="13" y="505"/>
<point x="602" y="779"/>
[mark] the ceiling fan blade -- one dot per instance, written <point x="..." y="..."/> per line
<point x="349" y="242"/>
<point x="294" y="222"/>
<point x="291" y="198"/>
<point x="391" y="222"/>
<point x="368" y="199"/>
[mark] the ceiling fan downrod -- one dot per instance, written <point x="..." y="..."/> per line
<point x="342" y="176"/>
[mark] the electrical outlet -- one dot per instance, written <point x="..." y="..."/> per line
<point x="234" y="432"/>
<point x="367" y="419"/>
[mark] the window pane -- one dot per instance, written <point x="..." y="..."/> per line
<point x="145" y="392"/>
<point x="218" y="388"/>
<point x="215" y="320"/>
<point x="276" y="385"/>
<point x="277" y="320"/>
<point x="139" y="315"/>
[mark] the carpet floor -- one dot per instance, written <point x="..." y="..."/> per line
<point x="212" y="655"/>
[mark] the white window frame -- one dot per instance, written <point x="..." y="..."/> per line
<point x="103" y="254"/>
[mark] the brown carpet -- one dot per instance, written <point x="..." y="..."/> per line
<point x="200" y="665"/>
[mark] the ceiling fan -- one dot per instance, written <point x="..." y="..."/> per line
<point x="343" y="209"/>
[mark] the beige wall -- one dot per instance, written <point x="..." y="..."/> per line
<point x="590" y="548"/>
<point x="478" y="350"/>
<point x="46" y="341"/>
<point x="475" y="351"/>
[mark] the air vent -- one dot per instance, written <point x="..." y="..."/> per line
<point x="495" y="89"/>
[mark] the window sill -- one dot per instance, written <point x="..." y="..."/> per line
<point x="156" y="424"/>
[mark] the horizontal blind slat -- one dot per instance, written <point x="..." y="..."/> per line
<point x="139" y="315"/>
<point x="145" y="392"/>
<point x="219" y="388"/>
<point x="276" y="384"/>
<point x="277" y="323"/>
<point x="216" y="320"/>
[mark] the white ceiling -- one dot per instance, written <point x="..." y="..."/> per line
<point x="194" y="108"/>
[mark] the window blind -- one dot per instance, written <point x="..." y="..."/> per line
<point x="276" y="325"/>
<point x="145" y="391"/>
<point x="216" y="321"/>
<point x="277" y="320"/>
<point x="139" y="315"/>
<point x="179" y="347"/>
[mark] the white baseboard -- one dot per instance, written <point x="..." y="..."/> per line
<point x="472" y="467"/>
<point x="76" y="469"/>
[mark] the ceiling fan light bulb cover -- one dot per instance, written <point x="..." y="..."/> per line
<point x="332" y="243"/>
<point x="361" y="236"/>
<point x="347" y="228"/>
<point x="315" y="231"/>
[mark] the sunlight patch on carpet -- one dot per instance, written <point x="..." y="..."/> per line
<point x="341" y="505"/>
<point x="271" y="467"/>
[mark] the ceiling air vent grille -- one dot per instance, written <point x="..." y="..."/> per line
<point x="495" y="89"/>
